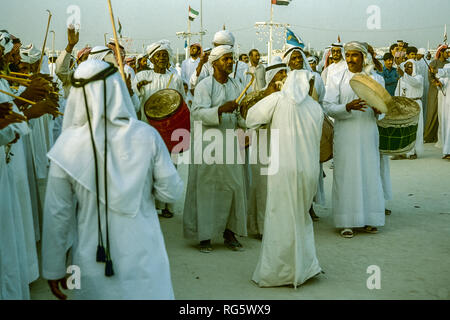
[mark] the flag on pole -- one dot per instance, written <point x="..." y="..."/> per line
<point x="192" y="14"/>
<point x="281" y="2"/>
<point x="120" y="28"/>
<point x="293" y="39"/>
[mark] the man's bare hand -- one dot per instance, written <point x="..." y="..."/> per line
<point x="357" y="104"/>
<point x="73" y="37"/>
<point x="43" y="107"/>
<point x="5" y="109"/>
<point x="54" y="287"/>
<point x="228" y="107"/>
<point x="10" y="119"/>
<point x="142" y="83"/>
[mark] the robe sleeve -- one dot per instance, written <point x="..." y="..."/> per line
<point x="416" y="81"/>
<point x="443" y="73"/>
<point x="331" y="101"/>
<point x="167" y="184"/>
<point x="203" y="74"/>
<point x="202" y="109"/>
<point x="6" y="135"/>
<point x="59" y="224"/>
<point x="261" y="113"/>
<point x="63" y="68"/>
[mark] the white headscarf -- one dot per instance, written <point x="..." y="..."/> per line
<point x="296" y="87"/>
<point x="29" y="54"/>
<point x="368" y="65"/>
<point x="273" y="69"/>
<point x="99" y="53"/>
<point x="6" y="42"/>
<point x="402" y="66"/>
<point x="422" y="51"/>
<point x="218" y="52"/>
<point x="128" y="140"/>
<point x="288" y="53"/>
<point x="223" y="37"/>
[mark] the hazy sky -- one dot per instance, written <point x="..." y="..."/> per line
<point x="317" y="22"/>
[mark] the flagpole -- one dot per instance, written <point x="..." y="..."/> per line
<point x="188" y="38"/>
<point x="201" y="23"/>
<point x="269" y="54"/>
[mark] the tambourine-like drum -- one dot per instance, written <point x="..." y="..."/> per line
<point x="326" y="141"/>
<point x="371" y="91"/>
<point x="399" y="127"/>
<point x="166" y="111"/>
<point x="249" y="101"/>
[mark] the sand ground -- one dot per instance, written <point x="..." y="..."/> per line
<point x="412" y="249"/>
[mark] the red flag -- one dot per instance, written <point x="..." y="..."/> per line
<point x="281" y="2"/>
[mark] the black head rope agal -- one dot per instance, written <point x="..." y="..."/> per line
<point x="103" y="254"/>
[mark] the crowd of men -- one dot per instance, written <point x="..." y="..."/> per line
<point x="74" y="131"/>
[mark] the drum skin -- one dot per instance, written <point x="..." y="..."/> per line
<point x="326" y="141"/>
<point x="166" y="111"/>
<point x="371" y="91"/>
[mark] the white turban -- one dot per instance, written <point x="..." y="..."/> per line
<point x="223" y="37"/>
<point x="273" y="69"/>
<point x="29" y="54"/>
<point x="99" y="53"/>
<point x="288" y="53"/>
<point x="422" y="51"/>
<point x="218" y="52"/>
<point x="159" y="46"/>
<point x="6" y="42"/>
<point x="362" y="47"/>
<point x="313" y="59"/>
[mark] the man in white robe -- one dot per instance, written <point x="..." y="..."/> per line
<point x="422" y="69"/>
<point x="148" y="82"/>
<point x="444" y="110"/>
<point x="216" y="195"/>
<point x="288" y="254"/>
<point x="296" y="59"/>
<point x="338" y="65"/>
<point x="410" y="85"/>
<point x="189" y="66"/>
<point x="120" y="222"/>
<point x="258" y="70"/>
<point x="275" y="73"/>
<point x="357" y="202"/>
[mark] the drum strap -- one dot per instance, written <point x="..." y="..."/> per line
<point x="170" y="80"/>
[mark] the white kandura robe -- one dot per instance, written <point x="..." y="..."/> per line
<point x="357" y="194"/>
<point x="14" y="277"/>
<point x="188" y="67"/>
<point x="288" y="254"/>
<point x="216" y="194"/>
<point x="333" y="69"/>
<point x="137" y="246"/>
<point x="158" y="82"/>
<point x="412" y="87"/>
<point x="444" y="109"/>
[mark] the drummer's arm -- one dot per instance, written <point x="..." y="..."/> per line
<point x="331" y="102"/>
<point x="202" y="109"/>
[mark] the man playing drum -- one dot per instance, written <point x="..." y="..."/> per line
<point x="147" y="82"/>
<point x="357" y="190"/>
<point x="216" y="200"/>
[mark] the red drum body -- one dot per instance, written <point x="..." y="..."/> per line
<point x="167" y="112"/>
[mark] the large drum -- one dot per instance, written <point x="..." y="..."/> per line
<point x="399" y="127"/>
<point x="166" y="111"/>
<point x="249" y="101"/>
<point x="326" y="141"/>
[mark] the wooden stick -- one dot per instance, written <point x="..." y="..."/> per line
<point x="116" y="41"/>
<point x="20" y="80"/>
<point x="45" y="40"/>
<point x="21" y="74"/>
<point x="17" y="97"/>
<point x="246" y="88"/>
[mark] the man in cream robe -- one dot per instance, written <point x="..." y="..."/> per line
<point x="288" y="254"/>
<point x="216" y="195"/>
<point x="338" y="65"/>
<point x="357" y="196"/>
<point x="139" y="170"/>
